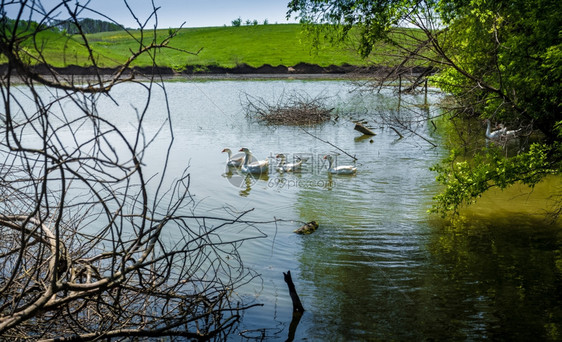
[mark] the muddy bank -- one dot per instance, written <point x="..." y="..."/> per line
<point x="300" y="69"/>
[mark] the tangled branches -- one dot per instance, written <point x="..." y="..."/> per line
<point x="95" y="246"/>
<point x="295" y="109"/>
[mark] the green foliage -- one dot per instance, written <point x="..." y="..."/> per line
<point x="237" y="22"/>
<point x="499" y="59"/>
<point x="512" y="52"/>
<point x="502" y="58"/>
<point x="370" y="21"/>
<point x="515" y="61"/>
<point x="466" y="180"/>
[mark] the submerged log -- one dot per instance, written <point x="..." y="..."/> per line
<point x="297" y="305"/>
<point x="359" y="127"/>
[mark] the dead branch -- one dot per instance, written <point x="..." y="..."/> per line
<point x="94" y="246"/>
<point x="329" y="143"/>
<point x="397" y="132"/>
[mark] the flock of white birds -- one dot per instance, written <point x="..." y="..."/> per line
<point x="261" y="166"/>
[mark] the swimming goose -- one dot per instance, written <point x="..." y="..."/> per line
<point x="260" y="166"/>
<point x="283" y="167"/>
<point x="234" y="162"/>
<point x="340" y="170"/>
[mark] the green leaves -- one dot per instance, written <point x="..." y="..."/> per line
<point x="374" y="21"/>
<point x="465" y="181"/>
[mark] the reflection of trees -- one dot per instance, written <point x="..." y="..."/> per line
<point x="500" y="280"/>
<point x="392" y="279"/>
<point x="360" y="280"/>
<point x="93" y="245"/>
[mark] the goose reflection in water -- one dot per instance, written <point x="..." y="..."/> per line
<point x="244" y="181"/>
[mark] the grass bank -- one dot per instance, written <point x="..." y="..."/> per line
<point x="279" y="44"/>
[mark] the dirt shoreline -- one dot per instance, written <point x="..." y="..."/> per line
<point x="242" y="71"/>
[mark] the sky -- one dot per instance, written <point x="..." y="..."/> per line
<point x="173" y="13"/>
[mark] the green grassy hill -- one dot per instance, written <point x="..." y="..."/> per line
<point x="281" y="44"/>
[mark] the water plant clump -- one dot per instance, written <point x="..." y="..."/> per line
<point x="295" y="109"/>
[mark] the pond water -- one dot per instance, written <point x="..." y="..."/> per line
<point x="378" y="267"/>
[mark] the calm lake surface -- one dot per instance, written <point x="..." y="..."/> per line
<point x="378" y="267"/>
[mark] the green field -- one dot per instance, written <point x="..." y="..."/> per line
<point x="279" y="44"/>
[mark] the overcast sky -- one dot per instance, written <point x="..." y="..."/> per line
<point x="195" y="13"/>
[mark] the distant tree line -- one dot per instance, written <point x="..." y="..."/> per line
<point x="89" y="26"/>
<point x="238" y="22"/>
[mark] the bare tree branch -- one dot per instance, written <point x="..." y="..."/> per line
<point x="94" y="245"/>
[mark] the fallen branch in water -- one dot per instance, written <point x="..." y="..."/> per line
<point x="329" y="143"/>
<point x="409" y="129"/>
<point x="397" y="132"/>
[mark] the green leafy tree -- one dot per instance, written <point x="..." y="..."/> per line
<point x="237" y="22"/>
<point x="512" y="50"/>
<point x="500" y="60"/>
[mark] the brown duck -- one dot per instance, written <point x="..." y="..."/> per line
<point x="308" y="228"/>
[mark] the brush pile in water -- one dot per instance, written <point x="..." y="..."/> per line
<point x="296" y="109"/>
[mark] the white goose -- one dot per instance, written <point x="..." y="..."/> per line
<point x="493" y="135"/>
<point x="234" y="162"/>
<point x="284" y="167"/>
<point x="511" y="134"/>
<point x="340" y="170"/>
<point x="260" y="166"/>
